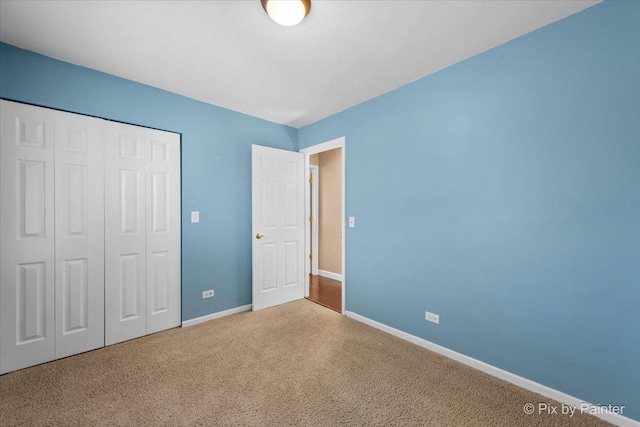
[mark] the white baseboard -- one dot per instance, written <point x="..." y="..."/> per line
<point x="217" y="315"/>
<point x="330" y="275"/>
<point x="535" y="387"/>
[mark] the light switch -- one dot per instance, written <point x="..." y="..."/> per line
<point x="352" y="222"/>
<point x="195" y="217"/>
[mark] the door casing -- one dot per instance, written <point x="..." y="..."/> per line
<point x="315" y="176"/>
<point x="315" y="149"/>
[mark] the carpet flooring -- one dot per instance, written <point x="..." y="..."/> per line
<point x="298" y="364"/>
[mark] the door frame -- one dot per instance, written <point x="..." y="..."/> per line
<point x="315" y="149"/>
<point x="315" y="176"/>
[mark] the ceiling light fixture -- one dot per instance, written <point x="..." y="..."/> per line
<point x="287" y="12"/>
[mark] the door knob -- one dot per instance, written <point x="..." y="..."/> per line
<point x="259" y="236"/>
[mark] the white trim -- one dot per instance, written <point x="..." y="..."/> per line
<point x="533" y="386"/>
<point x="325" y="146"/>
<point x="330" y="275"/>
<point x="315" y="235"/>
<point x="307" y="225"/>
<point x="217" y="315"/>
<point x="343" y="144"/>
<point x="315" y="149"/>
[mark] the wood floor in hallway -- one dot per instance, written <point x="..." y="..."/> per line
<point x="325" y="291"/>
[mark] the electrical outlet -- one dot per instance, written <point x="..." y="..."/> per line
<point x="207" y="294"/>
<point x="432" y="317"/>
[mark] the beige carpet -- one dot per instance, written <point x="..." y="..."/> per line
<point x="297" y="364"/>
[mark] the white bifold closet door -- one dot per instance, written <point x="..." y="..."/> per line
<point x="163" y="251"/>
<point x="79" y="241"/>
<point x="51" y="269"/>
<point x="27" y="235"/>
<point x="89" y="233"/>
<point x="142" y="231"/>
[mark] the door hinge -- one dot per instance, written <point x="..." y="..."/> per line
<point x="310" y="219"/>
<point x="310" y="180"/>
<point x="310" y="256"/>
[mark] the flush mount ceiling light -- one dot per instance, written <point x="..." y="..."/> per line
<point x="287" y="12"/>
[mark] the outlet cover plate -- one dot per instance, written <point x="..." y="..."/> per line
<point x="432" y="317"/>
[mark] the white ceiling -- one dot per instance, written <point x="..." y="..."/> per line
<point x="229" y="53"/>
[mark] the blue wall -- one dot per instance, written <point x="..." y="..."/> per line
<point x="216" y="163"/>
<point x="503" y="193"/>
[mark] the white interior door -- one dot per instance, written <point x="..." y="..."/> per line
<point x="125" y="232"/>
<point x="278" y="226"/>
<point x="26" y="235"/>
<point x="163" y="231"/>
<point x="79" y="242"/>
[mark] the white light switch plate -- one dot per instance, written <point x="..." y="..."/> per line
<point x="352" y="222"/>
<point x="195" y="217"/>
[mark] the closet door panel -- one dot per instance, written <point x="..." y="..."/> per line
<point x="163" y="231"/>
<point x="79" y="216"/>
<point x="26" y="235"/>
<point x="125" y="232"/>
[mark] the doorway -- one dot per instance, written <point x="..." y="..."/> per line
<point x="325" y="208"/>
